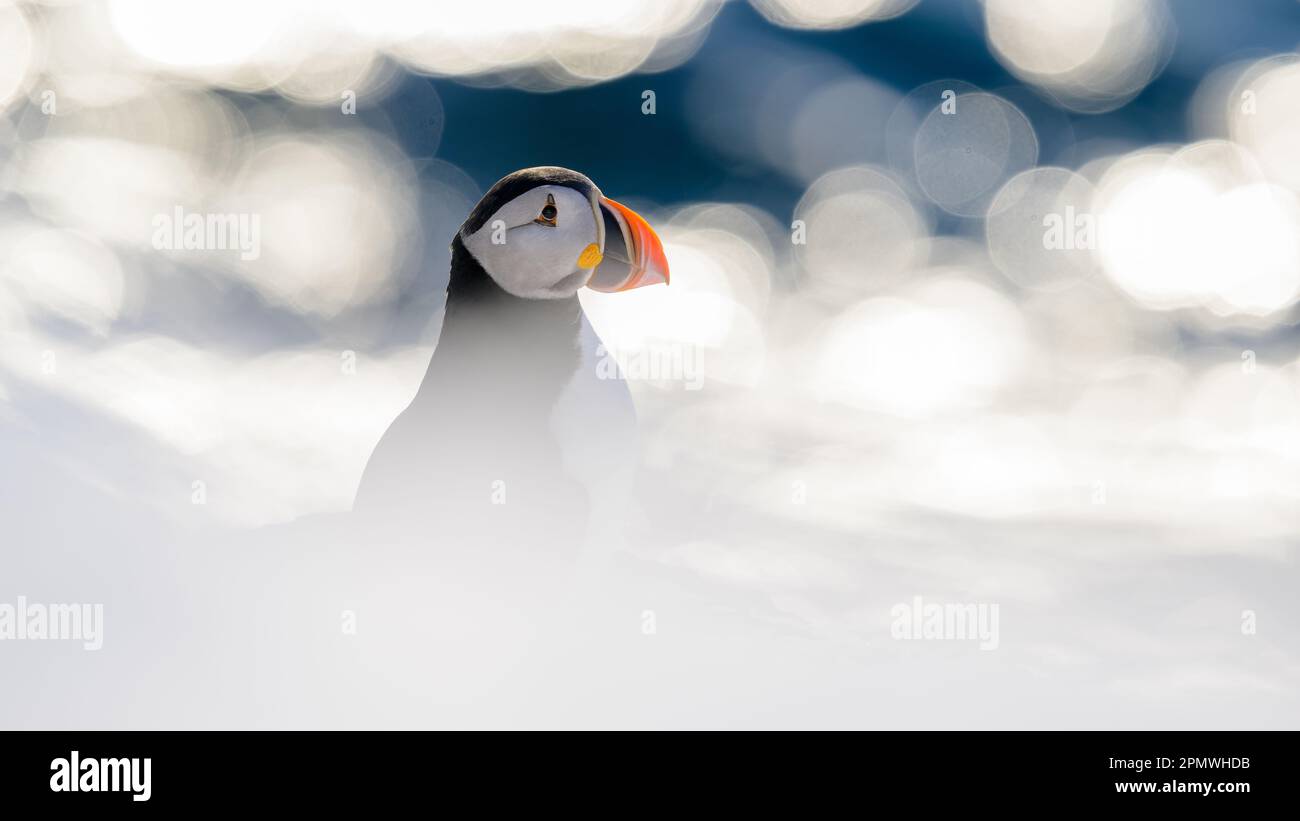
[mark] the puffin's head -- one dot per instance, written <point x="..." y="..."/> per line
<point x="543" y="233"/>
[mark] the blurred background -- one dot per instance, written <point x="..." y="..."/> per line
<point x="984" y="301"/>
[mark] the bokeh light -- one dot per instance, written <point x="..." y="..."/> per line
<point x="18" y="49"/>
<point x="830" y="14"/>
<point x="1173" y="234"/>
<point x="964" y="153"/>
<point x="946" y="345"/>
<point x="1091" y="57"/>
<point x="861" y="232"/>
<point x="1264" y="118"/>
<point x="1041" y="231"/>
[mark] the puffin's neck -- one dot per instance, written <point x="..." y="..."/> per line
<point x="492" y="339"/>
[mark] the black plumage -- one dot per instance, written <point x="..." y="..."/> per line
<point x="473" y="458"/>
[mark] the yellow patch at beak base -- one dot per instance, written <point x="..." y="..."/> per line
<point x="590" y="256"/>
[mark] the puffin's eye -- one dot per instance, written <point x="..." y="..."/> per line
<point x="549" y="213"/>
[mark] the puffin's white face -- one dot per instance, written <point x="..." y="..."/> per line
<point x="543" y="244"/>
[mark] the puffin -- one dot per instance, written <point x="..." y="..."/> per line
<point x="514" y="441"/>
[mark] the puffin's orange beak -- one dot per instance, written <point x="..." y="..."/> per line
<point x="633" y="256"/>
